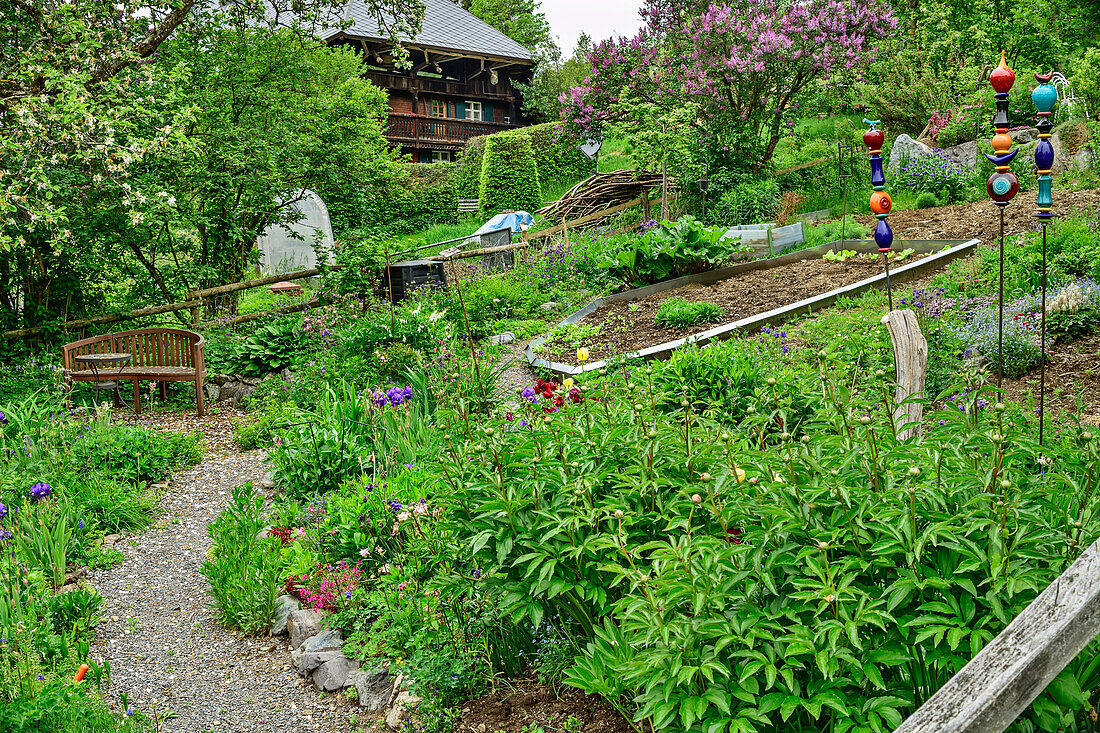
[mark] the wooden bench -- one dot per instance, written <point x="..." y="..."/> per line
<point x="158" y="355"/>
<point x="468" y="206"/>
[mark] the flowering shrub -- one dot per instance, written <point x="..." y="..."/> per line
<point x="935" y="173"/>
<point x="829" y="574"/>
<point x="328" y="587"/>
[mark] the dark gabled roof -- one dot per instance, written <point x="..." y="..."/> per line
<point x="446" y="27"/>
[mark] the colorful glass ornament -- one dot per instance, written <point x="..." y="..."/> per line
<point x="880" y="200"/>
<point x="1044" y="98"/>
<point x="1002" y="185"/>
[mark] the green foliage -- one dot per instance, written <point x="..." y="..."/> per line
<point x="1085" y="80"/>
<point x="266" y="416"/>
<point x="243" y="569"/>
<point x="424" y="194"/>
<point x="671" y="249"/>
<point x="747" y="203"/>
<point x="361" y="255"/>
<point x="269" y="348"/>
<point x="65" y="707"/>
<point x="676" y="312"/>
<point x="926" y="200"/>
<point x="468" y="168"/>
<point x="832" y="230"/>
<point x="558" y="156"/>
<point x="509" y="175"/>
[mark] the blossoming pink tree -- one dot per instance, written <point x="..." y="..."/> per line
<point x="741" y="63"/>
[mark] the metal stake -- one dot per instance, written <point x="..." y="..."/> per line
<point x="889" y="291"/>
<point x="1043" y="340"/>
<point x="1001" y="304"/>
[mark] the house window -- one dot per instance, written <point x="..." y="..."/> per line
<point x="473" y="111"/>
<point x="438" y="108"/>
<point x="441" y="156"/>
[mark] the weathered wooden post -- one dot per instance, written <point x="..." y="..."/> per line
<point x="911" y="363"/>
<point x="991" y="691"/>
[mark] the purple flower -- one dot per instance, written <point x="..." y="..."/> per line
<point x="528" y="394"/>
<point x="3" y="419"/>
<point x="3" y="510"/>
<point x="41" y="491"/>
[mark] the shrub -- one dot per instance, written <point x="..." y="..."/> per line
<point x="747" y="203"/>
<point x="509" y="175"/>
<point x="935" y="173"/>
<point x="670" y="249"/>
<point x="676" y="312"/>
<point x="926" y="200"/>
<point x="557" y="155"/>
<point x="269" y="348"/>
<point x="468" y="168"/>
<point x="243" y="569"/>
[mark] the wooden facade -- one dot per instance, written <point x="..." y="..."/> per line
<point x="454" y="89"/>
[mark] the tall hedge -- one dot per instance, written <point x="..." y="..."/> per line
<point x="557" y="155"/>
<point x="468" y="168"/>
<point x="509" y="174"/>
<point x="423" y="195"/>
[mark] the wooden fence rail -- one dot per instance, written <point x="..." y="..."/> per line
<point x="991" y="691"/>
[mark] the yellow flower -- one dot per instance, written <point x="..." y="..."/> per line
<point x="567" y="383"/>
<point x="740" y="474"/>
<point x="582" y="354"/>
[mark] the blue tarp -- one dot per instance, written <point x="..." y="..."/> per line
<point x="517" y="220"/>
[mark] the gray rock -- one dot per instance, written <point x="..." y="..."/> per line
<point x="401" y="709"/>
<point x="268" y="481"/>
<point x="245" y="391"/>
<point x="905" y="150"/>
<point x="303" y="625"/>
<point x="1024" y="134"/>
<point x="285" y="605"/>
<point x="549" y="307"/>
<point x="375" y="688"/>
<point x="332" y="675"/>
<point x="263" y="532"/>
<point x="965" y="154"/>
<point x="324" y="641"/>
<point x="287" y="375"/>
<point x="213" y="392"/>
<point x="252" y="381"/>
<point x="503" y="338"/>
<point x="219" y="379"/>
<point x="309" y="661"/>
<point x="111" y="539"/>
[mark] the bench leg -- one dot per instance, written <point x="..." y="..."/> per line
<point x="164" y="391"/>
<point x="137" y="397"/>
<point x="199" y="397"/>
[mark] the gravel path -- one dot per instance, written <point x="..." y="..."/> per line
<point x="166" y="651"/>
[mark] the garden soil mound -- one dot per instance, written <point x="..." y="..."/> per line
<point x="629" y="326"/>
<point x="527" y="705"/>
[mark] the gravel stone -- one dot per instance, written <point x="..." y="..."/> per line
<point x="161" y="637"/>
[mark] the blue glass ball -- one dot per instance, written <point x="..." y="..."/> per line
<point x="1044" y="96"/>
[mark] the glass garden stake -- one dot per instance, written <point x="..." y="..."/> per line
<point x="880" y="200"/>
<point x="1044" y="98"/>
<point x="1002" y="184"/>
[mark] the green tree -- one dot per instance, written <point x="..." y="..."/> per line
<point x="520" y="20"/>
<point x="553" y="78"/>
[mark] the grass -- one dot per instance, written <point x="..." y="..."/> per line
<point x="465" y="226"/>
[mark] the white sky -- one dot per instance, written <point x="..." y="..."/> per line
<point x="598" y="18"/>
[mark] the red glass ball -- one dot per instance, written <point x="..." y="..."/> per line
<point x="1002" y="78"/>
<point x="874" y="139"/>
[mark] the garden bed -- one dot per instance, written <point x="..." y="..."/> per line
<point x="751" y="294"/>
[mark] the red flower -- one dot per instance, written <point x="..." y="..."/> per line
<point x="734" y="535"/>
<point x="559" y="400"/>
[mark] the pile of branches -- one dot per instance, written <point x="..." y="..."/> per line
<point x="601" y="191"/>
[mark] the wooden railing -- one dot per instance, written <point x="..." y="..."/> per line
<point x="991" y="691"/>
<point x="439" y="129"/>
<point x="480" y="87"/>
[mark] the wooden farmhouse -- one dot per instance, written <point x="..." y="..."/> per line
<point x="460" y="84"/>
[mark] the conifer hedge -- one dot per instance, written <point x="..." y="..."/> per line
<point x="509" y="174"/>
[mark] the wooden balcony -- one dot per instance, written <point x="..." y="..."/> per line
<point x="437" y="132"/>
<point x="474" y="88"/>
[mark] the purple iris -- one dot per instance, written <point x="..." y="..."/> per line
<point x="41" y="491"/>
<point x="3" y="419"/>
<point x="528" y="394"/>
<point x="3" y="510"/>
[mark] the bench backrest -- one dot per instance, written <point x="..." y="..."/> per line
<point x="169" y="347"/>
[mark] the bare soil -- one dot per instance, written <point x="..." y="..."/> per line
<point x="629" y="326"/>
<point x="1073" y="373"/>
<point x="527" y="705"/>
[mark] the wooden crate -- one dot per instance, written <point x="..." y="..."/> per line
<point x="404" y="278"/>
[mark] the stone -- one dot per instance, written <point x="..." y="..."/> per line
<point x="974" y="359"/>
<point x="965" y="154"/>
<point x="905" y="150"/>
<point x="1024" y="135"/>
<point x="268" y="481"/>
<point x="549" y="307"/>
<point x="286" y="374"/>
<point x="284" y="606"/>
<point x="503" y="338"/>
<point x="332" y="675"/>
<point x="401" y="709"/>
<point x="309" y="661"/>
<point x="252" y="381"/>
<point x="243" y="393"/>
<point x="111" y="539"/>
<point x="374" y="687"/>
<point x="324" y="641"/>
<point x="302" y="625"/>
<point x="213" y="392"/>
<point x="219" y="379"/>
